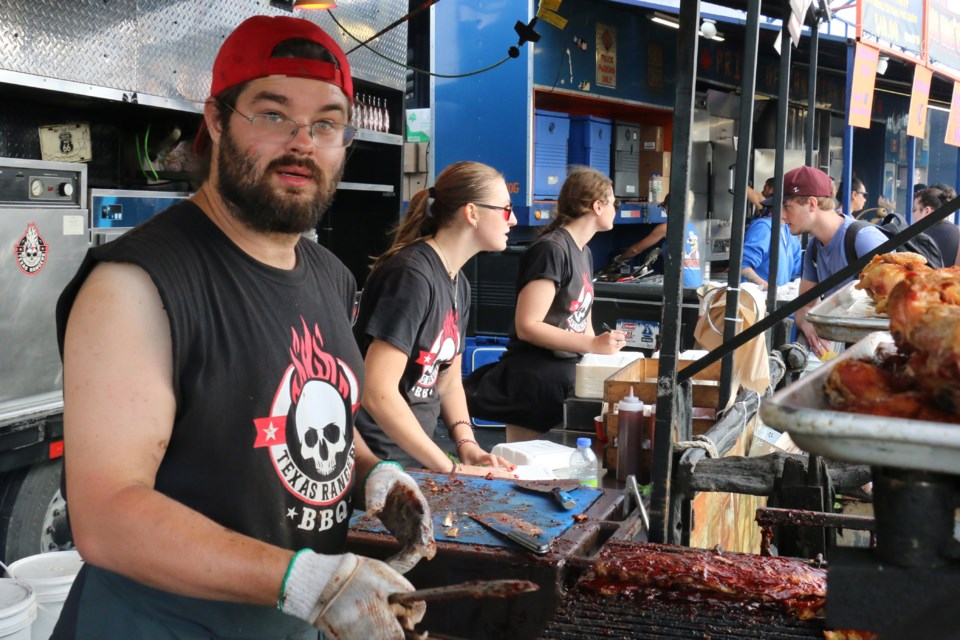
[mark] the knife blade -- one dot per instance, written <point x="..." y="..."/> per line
<point x="511" y="527"/>
<point x="557" y="488"/>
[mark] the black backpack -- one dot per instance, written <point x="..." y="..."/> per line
<point x="892" y="224"/>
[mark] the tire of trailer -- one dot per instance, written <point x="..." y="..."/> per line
<point x="33" y="512"/>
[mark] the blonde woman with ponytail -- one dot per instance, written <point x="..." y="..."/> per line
<point x="412" y="321"/>
<point x="553" y="322"/>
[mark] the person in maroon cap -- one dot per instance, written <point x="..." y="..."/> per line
<point x="809" y="207"/>
<point x="211" y="380"/>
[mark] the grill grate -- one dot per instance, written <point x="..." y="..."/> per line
<point x="581" y="616"/>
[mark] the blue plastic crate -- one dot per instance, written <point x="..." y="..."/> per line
<point x="590" y="142"/>
<point x="479" y="351"/>
<point x="551" y="139"/>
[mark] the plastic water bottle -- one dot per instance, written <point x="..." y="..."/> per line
<point x="629" y="435"/>
<point x="583" y="463"/>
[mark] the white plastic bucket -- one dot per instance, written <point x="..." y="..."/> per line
<point x="51" y="576"/>
<point x="18" y="609"/>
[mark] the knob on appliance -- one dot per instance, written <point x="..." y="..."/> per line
<point x="65" y="189"/>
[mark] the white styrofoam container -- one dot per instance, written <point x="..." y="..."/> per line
<point x="594" y="368"/>
<point x="537" y="453"/>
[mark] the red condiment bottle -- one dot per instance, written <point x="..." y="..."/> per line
<point x="629" y="436"/>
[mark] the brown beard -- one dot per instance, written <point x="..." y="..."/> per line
<point x="254" y="202"/>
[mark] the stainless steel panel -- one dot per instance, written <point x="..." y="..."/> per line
<point x="165" y="48"/>
<point x="764" y="159"/>
<point x="48" y="240"/>
<point x="29" y="360"/>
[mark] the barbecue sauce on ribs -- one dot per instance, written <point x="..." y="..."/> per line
<point x="648" y="570"/>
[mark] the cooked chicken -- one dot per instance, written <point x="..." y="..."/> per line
<point x="886" y="271"/>
<point x="923" y="383"/>
<point x="886" y="390"/>
<point x="912" y="300"/>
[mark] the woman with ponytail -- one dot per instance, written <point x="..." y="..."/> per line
<point x="552" y="323"/>
<point x="412" y="321"/>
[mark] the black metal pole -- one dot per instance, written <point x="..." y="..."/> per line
<point x="667" y="397"/>
<point x="812" y="90"/>
<point x="731" y="321"/>
<point x="780" y="145"/>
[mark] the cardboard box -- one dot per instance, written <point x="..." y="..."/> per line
<point x="651" y="138"/>
<point x="654" y="162"/>
<point x="643" y="181"/>
<point x="413" y="182"/>
<point x="415" y="157"/>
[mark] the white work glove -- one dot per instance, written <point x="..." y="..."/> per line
<point x="345" y="596"/>
<point x="395" y="498"/>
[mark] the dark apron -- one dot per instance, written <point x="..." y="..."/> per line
<point x="103" y="604"/>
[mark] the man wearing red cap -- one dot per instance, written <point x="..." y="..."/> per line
<point x="211" y="380"/>
<point x="809" y="207"/>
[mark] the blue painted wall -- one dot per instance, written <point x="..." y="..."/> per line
<point x="646" y="69"/>
<point x="484" y="117"/>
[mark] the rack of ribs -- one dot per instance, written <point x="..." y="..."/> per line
<point x="708" y="575"/>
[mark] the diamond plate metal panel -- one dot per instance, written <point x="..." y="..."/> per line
<point x="165" y="48"/>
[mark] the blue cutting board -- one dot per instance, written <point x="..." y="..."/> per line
<point x="461" y="495"/>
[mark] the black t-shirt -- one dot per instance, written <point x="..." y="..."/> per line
<point x="411" y="303"/>
<point x="267" y="378"/>
<point x="556" y="257"/>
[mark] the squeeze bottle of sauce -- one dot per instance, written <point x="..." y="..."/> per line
<point x="629" y="436"/>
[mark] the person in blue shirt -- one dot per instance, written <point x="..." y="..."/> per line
<point x="692" y="275"/>
<point x="755" y="266"/>
<point x="809" y="207"/>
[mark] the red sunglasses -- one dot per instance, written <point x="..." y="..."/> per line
<point x="507" y="210"/>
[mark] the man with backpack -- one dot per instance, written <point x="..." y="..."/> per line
<point x="809" y="207"/>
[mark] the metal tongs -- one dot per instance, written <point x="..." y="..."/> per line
<point x="634" y="491"/>
<point x="471" y="589"/>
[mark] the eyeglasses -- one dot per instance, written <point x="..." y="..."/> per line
<point x="863" y="193"/>
<point x="507" y="210"/>
<point x="278" y="128"/>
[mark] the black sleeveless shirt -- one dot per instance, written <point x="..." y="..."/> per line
<point x="267" y="378"/>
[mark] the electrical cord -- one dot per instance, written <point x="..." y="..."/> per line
<point x="406" y="66"/>
<point x="146" y="154"/>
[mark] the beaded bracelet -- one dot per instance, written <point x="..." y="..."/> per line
<point x="453" y="426"/>
<point x="453" y="468"/>
<point x="465" y="441"/>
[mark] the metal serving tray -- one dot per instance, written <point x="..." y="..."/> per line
<point x="847" y="315"/>
<point x="802" y="410"/>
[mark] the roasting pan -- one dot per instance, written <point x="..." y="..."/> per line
<point x="847" y="315"/>
<point x="802" y="410"/>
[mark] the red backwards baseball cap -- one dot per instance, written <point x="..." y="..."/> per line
<point x="807" y="181"/>
<point x="246" y="55"/>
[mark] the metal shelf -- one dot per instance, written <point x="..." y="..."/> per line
<point x="377" y="136"/>
<point x="366" y="186"/>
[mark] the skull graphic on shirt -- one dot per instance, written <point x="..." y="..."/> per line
<point x="443" y="350"/>
<point x="580" y="308"/>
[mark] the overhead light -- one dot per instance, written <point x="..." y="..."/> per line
<point x="665" y="20"/>
<point x="669" y="21"/>
<point x="314" y="4"/>
<point x="882" y="65"/>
